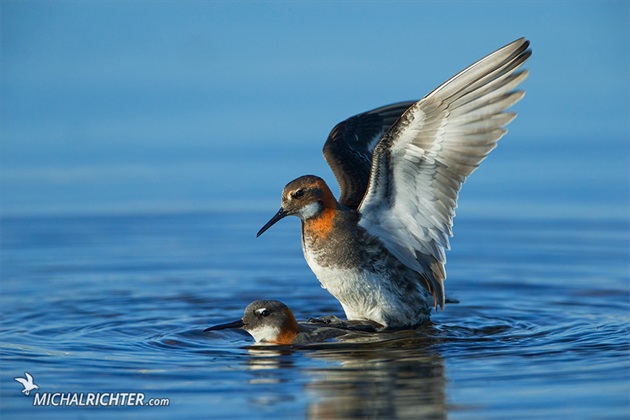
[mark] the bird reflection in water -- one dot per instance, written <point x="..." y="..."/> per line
<point x="396" y="375"/>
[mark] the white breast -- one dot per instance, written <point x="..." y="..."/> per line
<point x="358" y="291"/>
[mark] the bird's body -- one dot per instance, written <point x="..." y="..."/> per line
<point x="351" y="264"/>
<point x="380" y="249"/>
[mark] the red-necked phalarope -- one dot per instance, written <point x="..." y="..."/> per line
<point x="380" y="249"/>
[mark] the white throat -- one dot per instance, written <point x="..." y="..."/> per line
<point x="264" y="333"/>
<point x="309" y="210"/>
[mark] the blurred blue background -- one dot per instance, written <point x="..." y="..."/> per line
<point x="158" y="106"/>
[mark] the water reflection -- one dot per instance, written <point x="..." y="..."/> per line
<point x="393" y="376"/>
<point x="386" y="383"/>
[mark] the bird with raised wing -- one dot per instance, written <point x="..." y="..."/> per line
<point x="380" y="249"/>
<point x="27" y="383"/>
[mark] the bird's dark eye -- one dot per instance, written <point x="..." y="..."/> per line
<point x="263" y="312"/>
<point x="298" y="193"/>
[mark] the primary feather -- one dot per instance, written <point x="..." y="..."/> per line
<point x="419" y="165"/>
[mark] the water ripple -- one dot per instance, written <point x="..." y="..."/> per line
<point x="121" y="304"/>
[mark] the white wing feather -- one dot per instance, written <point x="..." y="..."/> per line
<point x="23" y="381"/>
<point x="421" y="162"/>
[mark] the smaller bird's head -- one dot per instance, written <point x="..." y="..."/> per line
<point x="305" y="197"/>
<point x="268" y="321"/>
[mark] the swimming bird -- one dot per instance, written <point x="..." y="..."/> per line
<point x="380" y="249"/>
<point x="272" y="322"/>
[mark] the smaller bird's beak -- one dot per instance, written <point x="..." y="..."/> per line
<point x="235" y="324"/>
<point x="280" y="215"/>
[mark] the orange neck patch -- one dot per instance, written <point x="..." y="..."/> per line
<point x="322" y="224"/>
<point x="289" y="329"/>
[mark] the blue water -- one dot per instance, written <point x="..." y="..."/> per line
<point x="118" y="304"/>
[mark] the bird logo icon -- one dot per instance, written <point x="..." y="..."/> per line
<point x="27" y="382"/>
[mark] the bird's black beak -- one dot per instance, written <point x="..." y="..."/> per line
<point x="235" y="324"/>
<point x="280" y="215"/>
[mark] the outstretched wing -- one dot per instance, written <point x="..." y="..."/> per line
<point x="420" y="164"/>
<point x="22" y="381"/>
<point x="348" y="149"/>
